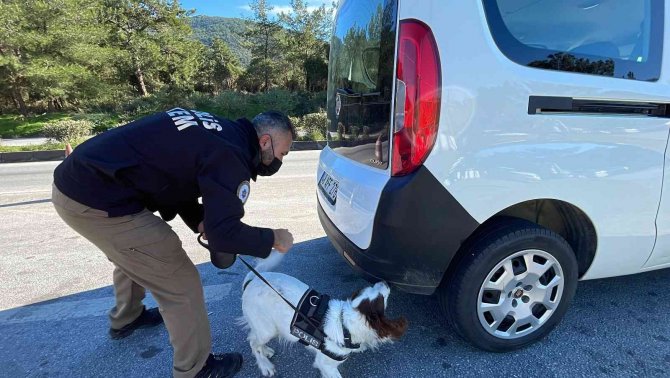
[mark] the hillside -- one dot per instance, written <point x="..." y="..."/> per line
<point x="206" y="28"/>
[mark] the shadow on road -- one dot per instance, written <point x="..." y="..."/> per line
<point x="616" y="326"/>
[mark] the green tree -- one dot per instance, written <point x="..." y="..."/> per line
<point x="13" y="82"/>
<point x="46" y="52"/>
<point x="306" y="46"/>
<point x="153" y="39"/>
<point x="263" y="34"/>
<point x="221" y="67"/>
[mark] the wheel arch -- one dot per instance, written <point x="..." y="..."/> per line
<point x="563" y="218"/>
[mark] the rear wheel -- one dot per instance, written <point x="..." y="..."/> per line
<point x="512" y="286"/>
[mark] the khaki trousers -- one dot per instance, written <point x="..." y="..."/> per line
<point x="147" y="253"/>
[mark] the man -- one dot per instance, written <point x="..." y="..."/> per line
<point x="109" y="187"/>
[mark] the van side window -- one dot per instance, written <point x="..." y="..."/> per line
<point x="620" y="39"/>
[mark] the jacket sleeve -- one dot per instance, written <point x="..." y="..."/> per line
<point x="192" y="214"/>
<point x="219" y="178"/>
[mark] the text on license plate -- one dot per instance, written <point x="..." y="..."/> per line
<point x="328" y="186"/>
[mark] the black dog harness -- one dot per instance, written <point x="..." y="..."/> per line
<point x="307" y="324"/>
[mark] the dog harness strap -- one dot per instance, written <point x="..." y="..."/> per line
<point x="307" y="328"/>
<point x="333" y="356"/>
<point x="308" y="321"/>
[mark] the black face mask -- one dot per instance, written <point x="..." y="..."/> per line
<point x="269" y="170"/>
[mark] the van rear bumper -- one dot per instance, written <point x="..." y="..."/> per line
<point x="418" y="229"/>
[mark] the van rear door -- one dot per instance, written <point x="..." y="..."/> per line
<point x="360" y="80"/>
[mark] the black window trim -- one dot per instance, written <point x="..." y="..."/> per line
<point x="560" y="104"/>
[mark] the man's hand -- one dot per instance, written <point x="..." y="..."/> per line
<point x="283" y="240"/>
<point x="201" y="229"/>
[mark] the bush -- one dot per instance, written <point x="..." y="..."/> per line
<point x="156" y="102"/>
<point x="68" y="131"/>
<point x="315" y="122"/>
<point x="297" y="125"/>
<point x="317" y="135"/>
<point x="100" y="121"/>
<point x="229" y="104"/>
<point x="311" y="126"/>
<point x="276" y="99"/>
<point x="307" y="102"/>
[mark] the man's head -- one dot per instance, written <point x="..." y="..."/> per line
<point x="275" y="135"/>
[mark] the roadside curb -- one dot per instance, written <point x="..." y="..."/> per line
<point x="26" y="156"/>
<point x="55" y="155"/>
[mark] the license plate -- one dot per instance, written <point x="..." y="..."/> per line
<point x="328" y="186"/>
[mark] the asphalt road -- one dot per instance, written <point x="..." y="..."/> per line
<point x="55" y="292"/>
<point x="22" y="141"/>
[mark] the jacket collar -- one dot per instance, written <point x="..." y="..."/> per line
<point x="254" y="147"/>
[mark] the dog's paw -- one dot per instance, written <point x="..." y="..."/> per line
<point x="268" y="352"/>
<point x="331" y="374"/>
<point x="328" y="370"/>
<point x="267" y="368"/>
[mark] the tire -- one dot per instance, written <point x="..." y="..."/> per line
<point x="531" y="277"/>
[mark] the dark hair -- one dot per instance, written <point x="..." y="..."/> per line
<point x="266" y="122"/>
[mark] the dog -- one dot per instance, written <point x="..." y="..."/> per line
<point x="267" y="316"/>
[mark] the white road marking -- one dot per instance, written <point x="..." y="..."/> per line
<point x="25" y="192"/>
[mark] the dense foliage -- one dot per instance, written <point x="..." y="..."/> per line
<point x="119" y="59"/>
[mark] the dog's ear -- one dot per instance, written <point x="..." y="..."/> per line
<point x="373" y="310"/>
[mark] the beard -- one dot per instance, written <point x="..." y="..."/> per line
<point x="267" y="156"/>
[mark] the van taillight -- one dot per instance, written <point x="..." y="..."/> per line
<point x="418" y="87"/>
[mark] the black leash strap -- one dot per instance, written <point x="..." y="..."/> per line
<point x="255" y="272"/>
<point x="251" y="268"/>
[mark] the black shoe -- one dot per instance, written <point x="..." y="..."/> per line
<point x="221" y="366"/>
<point x="148" y="318"/>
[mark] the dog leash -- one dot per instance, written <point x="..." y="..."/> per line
<point x="345" y="331"/>
<point x="255" y="272"/>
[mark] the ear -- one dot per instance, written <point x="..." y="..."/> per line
<point x="374" y="315"/>
<point x="264" y="140"/>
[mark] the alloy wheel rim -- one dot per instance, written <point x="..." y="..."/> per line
<point x="520" y="294"/>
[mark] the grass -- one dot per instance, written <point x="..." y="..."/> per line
<point x="15" y="126"/>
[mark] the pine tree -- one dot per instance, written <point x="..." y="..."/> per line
<point x="45" y="48"/>
<point x="225" y="67"/>
<point x="263" y="33"/>
<point x="152" y="36"/>
<point x="306" y="43"/>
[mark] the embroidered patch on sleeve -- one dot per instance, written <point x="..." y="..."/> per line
<point x="243" y="191"/>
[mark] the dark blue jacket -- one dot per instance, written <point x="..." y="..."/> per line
<point x="167" y="161"/>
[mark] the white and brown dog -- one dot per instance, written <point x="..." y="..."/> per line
<point x="361" y="317"/>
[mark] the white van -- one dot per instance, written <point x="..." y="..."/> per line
<point x="495" y="152"/>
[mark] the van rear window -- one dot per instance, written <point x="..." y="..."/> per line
<point x="360" y="80"/>
<point x="620" y="39"/>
